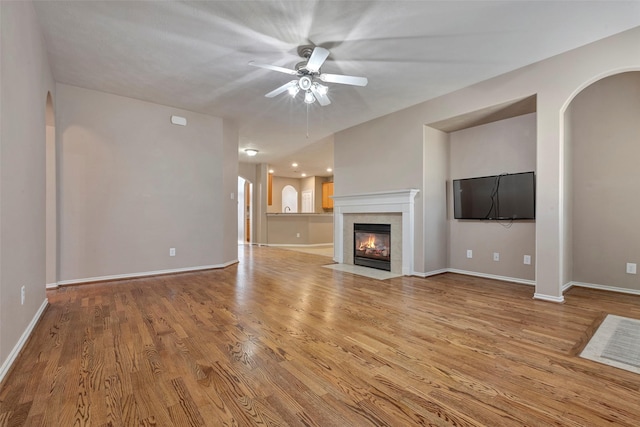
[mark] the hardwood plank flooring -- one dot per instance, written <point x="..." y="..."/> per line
<point x="278" y="340"/>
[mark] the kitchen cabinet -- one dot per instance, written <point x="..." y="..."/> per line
<point x="327" y="190"/>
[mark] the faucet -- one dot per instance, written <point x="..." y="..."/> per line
<point x="285" y="209"/>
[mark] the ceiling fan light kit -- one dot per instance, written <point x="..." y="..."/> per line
<point x="307" y="72"/>
<point x="305" y="83"/>
<point x="293" y="90"/>
<point x="309" y="98"/>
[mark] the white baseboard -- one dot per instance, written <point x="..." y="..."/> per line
<point x="566" y="287"/>
<point x="6" y="365"/>
<point x="550" y="298"/>
<point x="501" y="278"/>
<point x="275" y="245"/>
<point x="492" y="276"/>
<point x="51" y="285"/>
<point x="143" y="274"/>
<point x="430" y="273"/>
<point x="602" y="288"/>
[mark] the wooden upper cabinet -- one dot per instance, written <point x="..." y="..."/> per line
<point x="327" y="190"/>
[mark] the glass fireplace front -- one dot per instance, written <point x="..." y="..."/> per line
<point x="372" y="245"/>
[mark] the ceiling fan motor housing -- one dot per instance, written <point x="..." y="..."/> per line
<point x="305" y="51"/>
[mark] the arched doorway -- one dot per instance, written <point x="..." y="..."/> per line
<point x="602" y="179"/>
<point x="51" y="227"/>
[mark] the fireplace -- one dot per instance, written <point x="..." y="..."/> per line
<point x="395" y="207"/>
<point x="372" y="245"/>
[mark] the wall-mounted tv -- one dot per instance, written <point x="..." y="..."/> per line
<point x="498" y="197"/>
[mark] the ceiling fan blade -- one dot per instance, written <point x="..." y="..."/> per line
<point x="345" y="80"/>
<point x="317" y="58"/>
<point x="274" y="68"/>
<point x="322" y="98"/>
<point x="281" y="89"/>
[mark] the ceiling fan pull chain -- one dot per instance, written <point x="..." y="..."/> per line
<point x="307" y="121"/>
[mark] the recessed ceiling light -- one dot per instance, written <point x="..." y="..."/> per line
<point x="329" y="170"/>
<point x="251" y="152"/>
<point x="295" y="165"/>
<point x="304" y="174"/>
<point x="270" y="170"/>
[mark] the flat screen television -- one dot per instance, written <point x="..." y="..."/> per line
<point x="498" y="197"/>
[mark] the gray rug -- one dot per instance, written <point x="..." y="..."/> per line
<point x="616" y="343"/>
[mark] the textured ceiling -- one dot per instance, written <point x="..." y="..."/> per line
<point x="194" y="55"/>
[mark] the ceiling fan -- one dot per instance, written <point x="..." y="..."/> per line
<point x="307" y="75"/>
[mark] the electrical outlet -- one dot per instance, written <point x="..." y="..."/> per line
<point x="469" y="253"/>
<point x="23" y="292"/>
<point x="527" y="259"/>
<point x="631" y="268"/>
<point x="172" y="251"/>
<point x="297" y="234"/>
<point x="496" y="256"/>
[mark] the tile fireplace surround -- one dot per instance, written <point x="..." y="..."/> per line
<point x="394" y="207"/>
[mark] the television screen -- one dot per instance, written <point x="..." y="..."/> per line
<point x="499" y="197"/>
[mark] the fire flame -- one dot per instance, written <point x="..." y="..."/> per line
<point x="369" y="244"/>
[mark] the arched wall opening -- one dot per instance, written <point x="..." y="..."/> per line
<point x="600" y="128"/>
<point x="289" y="199"/>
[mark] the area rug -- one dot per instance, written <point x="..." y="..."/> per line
<point x="616" y="343"/>
<point x="371" y="273"/>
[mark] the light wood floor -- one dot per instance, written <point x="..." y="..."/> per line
<point x="278" y="340"/>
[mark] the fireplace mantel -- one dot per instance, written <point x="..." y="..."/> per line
<point x="395" y="201"/>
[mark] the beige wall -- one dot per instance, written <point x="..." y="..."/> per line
<point x="605" y="139"/>
<point x="507" y="146"/>
<point x="25" y="79"/>
<point x="567" y="214"/>
<point x="278" y="184"/>
<point x="393" y="143"/>
<point x="132" y="185"/>
<point x="252" y="173"/>
<point x="51" y="208"/>
<point x="436" y="175"/>
<point x="248" y="171"/>
<point x="229" y="178"/>
<point x="260" y="198"/>
<point x="317" y="194"/>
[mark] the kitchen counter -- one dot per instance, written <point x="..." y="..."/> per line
<point x="299" y="228"/>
